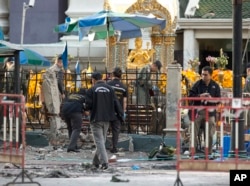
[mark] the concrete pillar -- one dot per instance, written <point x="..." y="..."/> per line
<point x="4" y="18"/>
<point x="173" y="96"/>
<point x="190" y="48"/>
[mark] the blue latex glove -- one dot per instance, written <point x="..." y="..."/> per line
<point x="124" y="116"/>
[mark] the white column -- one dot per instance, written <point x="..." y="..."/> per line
<point x="4" y="15"/>
<point x="190" y="48"/>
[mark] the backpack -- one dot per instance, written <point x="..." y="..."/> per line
<point x="163" y="152"/>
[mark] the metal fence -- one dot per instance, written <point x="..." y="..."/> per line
<point x="148" y="118"/>
<point x="12" y="137"/>
<point x="231" y="139"/>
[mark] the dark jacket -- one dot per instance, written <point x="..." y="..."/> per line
<point x="73" y="104"/>
<point x="119" y="88"/>
<point x="200" y="87"/>
<point x="101" y="101"/>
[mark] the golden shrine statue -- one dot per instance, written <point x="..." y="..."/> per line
<point x="86" y="77"/>
<point x="139" y="57"/>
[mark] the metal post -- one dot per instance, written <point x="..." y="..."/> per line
<point x="23" y="21"/>
<point x="25" y="7"/>
<point x="237" y="84"/>
<point x="17" y="78"/>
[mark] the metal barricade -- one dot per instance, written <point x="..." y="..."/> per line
<point x="13" y="125"/>
<point x="231" y="115"/>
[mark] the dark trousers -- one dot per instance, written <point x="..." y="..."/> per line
<point x="74" y="124"/>
<point x="115" y="127"/>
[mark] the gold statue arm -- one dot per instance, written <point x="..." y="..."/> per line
<point x="131" y="56"/>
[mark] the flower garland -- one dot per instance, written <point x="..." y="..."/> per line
<point x="34" y="88"/>
<point x="228" y="78"/>
<point x="189" y="74"/>
<point x="162" y="83"/>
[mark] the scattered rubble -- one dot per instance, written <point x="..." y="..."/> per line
<point x="56" y="162"/>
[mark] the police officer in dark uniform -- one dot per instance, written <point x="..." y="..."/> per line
<point x="121" y="94"/>
<point x="103" y="105"/>
<point x="72" y="111"/>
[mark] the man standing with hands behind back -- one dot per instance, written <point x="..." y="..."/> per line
<point x="205" y="88"/>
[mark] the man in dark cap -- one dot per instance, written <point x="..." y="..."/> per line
<point x="246" y="90"/>
<point x="121" y="94"/>
<point x="102" y="103"/>
<point x="143" y="82"/>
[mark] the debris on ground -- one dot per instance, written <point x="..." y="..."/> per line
<point x="116" y="179"/>
<point x="57" y="174"/>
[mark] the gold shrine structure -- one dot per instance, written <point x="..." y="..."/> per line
<point x="162" y="41"/>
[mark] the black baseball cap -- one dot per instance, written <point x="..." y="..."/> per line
<point x="96" y="75"/>
<point x="248" y="65"/>
<point x="158" y="64"/>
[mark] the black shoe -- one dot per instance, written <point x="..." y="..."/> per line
<point x="78" y="147"/>
<point x="113" y="150"/>
<point x="96" y="165"/>
<point x="104" y="166"/>
<point x="73" y="150"/>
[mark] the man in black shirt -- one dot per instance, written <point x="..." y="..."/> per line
<point x="121" y="94"/>
<point x="205" y="88"/>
